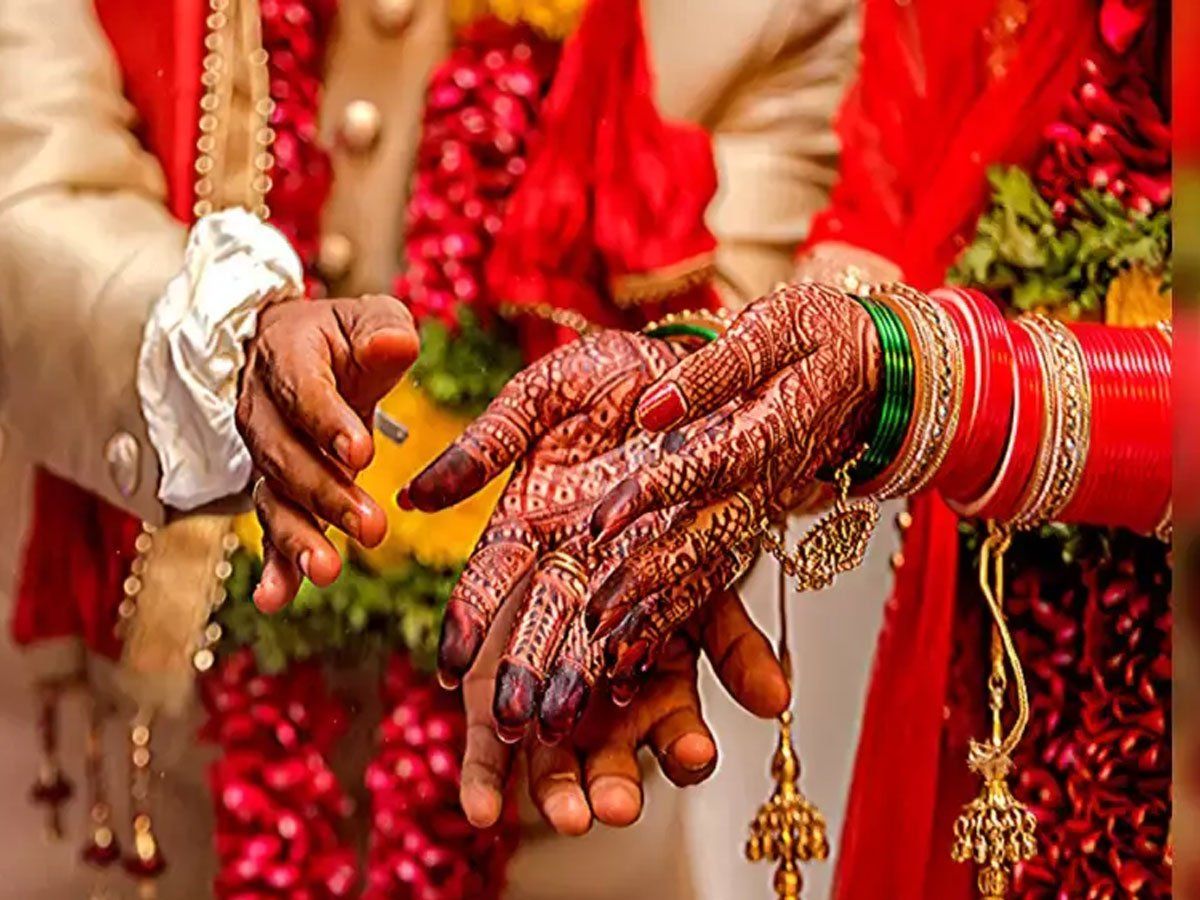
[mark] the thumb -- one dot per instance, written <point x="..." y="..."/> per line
<point x="383" y="344"/>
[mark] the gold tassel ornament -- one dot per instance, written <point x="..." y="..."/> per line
<point x="789" y="829"/>
<point x="996" y="831"/>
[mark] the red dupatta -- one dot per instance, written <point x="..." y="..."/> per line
<point x="946" y="90"/>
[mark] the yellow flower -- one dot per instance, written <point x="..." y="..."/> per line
<point x="1136" y="299"/>
<point x="555" y="19"/>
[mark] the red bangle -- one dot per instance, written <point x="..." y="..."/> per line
<point x="979" y="444"/>
<point x="1000" y="499"/>
<point x="1127" y="479"/>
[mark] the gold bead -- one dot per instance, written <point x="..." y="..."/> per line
<point x="361" y="124"/>
<point x="139" y="735"/>
<point x="391" y="16"/>
<point x="335" y="256"/>
<point x="203" y="660"/>
<point x="212" y="633"/>
<point x="224" y="569"/>
<point x="202" y="208"/>
<point x="896" y="560"/>
<point x="141" y="757"/>
<point x="143" y="543"/>
<point x="132" y="586"/>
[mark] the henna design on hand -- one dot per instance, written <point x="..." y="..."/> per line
<point x="756" y="462"/>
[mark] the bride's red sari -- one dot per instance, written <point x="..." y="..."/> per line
<point x="947" y="89"/>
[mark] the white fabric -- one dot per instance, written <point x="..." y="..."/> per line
<point x="193" y="350"/>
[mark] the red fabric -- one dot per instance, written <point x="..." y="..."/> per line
<point x="612" y="189"/>
<point x="910" y="193"/>
<point x="919" y="130"/>
<point x="78" y="546"/>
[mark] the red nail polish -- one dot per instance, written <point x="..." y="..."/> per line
<point x="403" y="500"/>
<point x="661" y="407"/>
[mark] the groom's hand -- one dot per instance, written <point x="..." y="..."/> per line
<point x="314" y="373"/>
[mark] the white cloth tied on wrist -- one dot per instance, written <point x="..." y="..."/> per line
<point x="193" y="351"/>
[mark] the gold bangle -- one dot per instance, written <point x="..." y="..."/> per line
<point x="1066" y="431"/>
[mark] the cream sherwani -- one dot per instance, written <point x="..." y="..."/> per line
<point x="86" y="248"/>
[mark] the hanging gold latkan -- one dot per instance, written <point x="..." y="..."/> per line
<point x="789" y="830"/>
<point x="996" y="831"/>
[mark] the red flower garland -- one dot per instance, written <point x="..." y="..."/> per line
<point x="480" y="120"/>
<point x="1095" y="765"/>
<point x="278" y="805"/>
<point x="421" y="846"/>
<point x="1113" y="135"/>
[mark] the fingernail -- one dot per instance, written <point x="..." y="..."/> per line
<point x="341" y="447"/>
<point x="351" y="523"/>
<point x="404" y="501"/>
<point x="703" y="752"/>
<point x="562" y="703"/>
<point x="605" y="610"/>
<point x="614" y="511"/>
<point x="516" y="698"/>
<point x="462" y="635"/>
<point x="305" y="559"/>
<point x="661" y="407"/>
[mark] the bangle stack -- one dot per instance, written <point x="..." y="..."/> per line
<point x="1024" y="422"/>
<point x="937" y="405"/>
<point x="896" y="401"/>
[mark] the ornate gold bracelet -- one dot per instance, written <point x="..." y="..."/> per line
<point x="1066" y="431"/>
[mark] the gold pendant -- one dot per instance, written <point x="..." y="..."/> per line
<point x="995" y="830"/>
<point x="836" y="543"/>
<point x="788" y="829"/>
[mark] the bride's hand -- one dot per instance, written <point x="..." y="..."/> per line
<point x="795" y="376"/>
<point x="567" y="421"/>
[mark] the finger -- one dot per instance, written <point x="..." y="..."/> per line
<point x="574" y="377"/>
<point x="613" y="777"/>
<point x="676" y="730"/>
<point x="298" y="547"/>
<point x="383" y="341"/>
<point x="694" y="542"/>
<point x="580" y="660"/>
<point x="279" y="582"/>
<point x="311" y="481"/>
<point x="556" y="788"/>
<point x="301" y="383"/>
<point x="742" y="656"/>
<point x="714" y="463"/>
<point x="638" y="640"/>
<point x="553" y="601"/>
<point x="487" y="760"/>
<point x="525" y="407"/>
<point x="770" y="334"/>
<point x="497" y="570"/>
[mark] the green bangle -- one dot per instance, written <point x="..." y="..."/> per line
<point x="682" y="329"/>
<point x="896" y="395"/>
